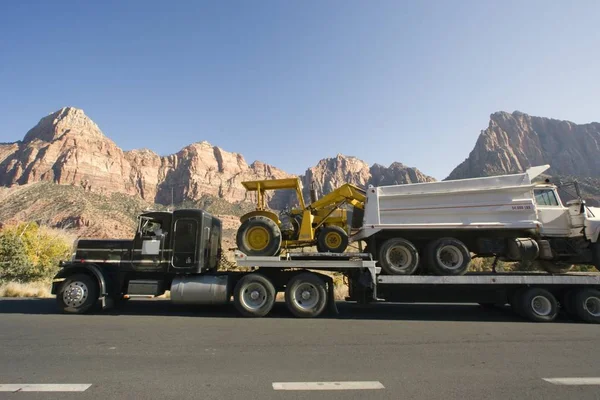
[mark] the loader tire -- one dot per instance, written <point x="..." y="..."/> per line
<point x="398" y="257"/>
<point x="332" y="239"/>
<point x="448" y="256"/>
<point x="259" y="236"/>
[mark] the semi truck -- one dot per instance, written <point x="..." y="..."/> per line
<point x="180" y="251"/>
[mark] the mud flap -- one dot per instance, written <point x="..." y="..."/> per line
<point x="331" y="298"/>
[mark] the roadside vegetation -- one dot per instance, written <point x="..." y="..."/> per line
<point x="29" y="257"/>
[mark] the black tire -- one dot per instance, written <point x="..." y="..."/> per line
<point x="316" y="295"/>
<point x="332" y="239"/>
<point x="539" y="305"/>
<point x="259" y="236"/>
<point x="77" y="294"/>
<point x="586" y="303"/>
<point x="254" y="285"/>
<point x="448" y="256"/>
<point x="398" y="256"/>
<point x="553" y="267"/>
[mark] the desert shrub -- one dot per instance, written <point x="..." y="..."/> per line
<point x="30" y="252"/>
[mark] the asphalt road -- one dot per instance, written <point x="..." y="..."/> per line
<point x="153" y="350"/>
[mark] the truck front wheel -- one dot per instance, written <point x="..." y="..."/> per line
<point x="254" y="295"/>
<point x="448" y="256"/>
<point x="77" y="294"/>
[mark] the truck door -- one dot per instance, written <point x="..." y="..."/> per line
<point x="551" y="213"/>
<point x="185" y="237"/>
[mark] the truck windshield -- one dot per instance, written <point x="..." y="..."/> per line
<point x="546" y="197"/>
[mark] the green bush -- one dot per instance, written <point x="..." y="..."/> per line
<point x="29" y="252"/>
<point x="14" y="264"/>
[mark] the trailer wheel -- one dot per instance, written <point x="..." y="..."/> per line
<point x="539" y="305"/>
<point x="587" y="305"/>
<point x="332" y="239"/>
<point x="398" y="257"/>
<point x="448" y="256"/>
<point x="254" y="295"/>
<point x="306" y="295"/>
<point x="77" y="294"/>
<point x="259" y="236"/>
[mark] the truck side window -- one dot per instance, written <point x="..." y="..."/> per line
<point x="546" y="197"/>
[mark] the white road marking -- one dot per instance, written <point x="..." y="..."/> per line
<point x="573" y="381"/>
<point x="349" y="385"/>
<point x="44" y="387"/>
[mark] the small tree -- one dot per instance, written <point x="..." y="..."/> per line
<point x="43" y="249"/>
<point x="14" y="263"/>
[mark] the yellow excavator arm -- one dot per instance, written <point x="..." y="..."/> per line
<point x="347" y="193"/>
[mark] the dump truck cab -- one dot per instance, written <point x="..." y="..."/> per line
<point x="565" y="217"/>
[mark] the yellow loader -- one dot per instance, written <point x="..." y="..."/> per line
<point x="324" y="222"/>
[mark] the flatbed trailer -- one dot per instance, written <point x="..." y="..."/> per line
<point x="536" y="296"/>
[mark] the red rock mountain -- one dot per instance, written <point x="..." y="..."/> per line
<point x="68" y="148"/>
<point x="514" y="142"/>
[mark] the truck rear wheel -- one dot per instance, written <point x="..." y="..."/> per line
<point x="398" y="257"/>
<point x="448" y="256"/>
<point x="254" y="295"/>
<point x="539" y="305"/>
<point x="587" y="305"/>
<point x="332" y="239"/>
<point x="259" y="236"/>
<point x="77" y="294"/>
<point x="306" y="295"/>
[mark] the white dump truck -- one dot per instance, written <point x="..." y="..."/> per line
<point x="438" y="227"/>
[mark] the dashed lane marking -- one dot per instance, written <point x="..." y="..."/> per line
<point x="574" y="381"/>
<point x="348" y="385"/>
<point x="44" y="387"/>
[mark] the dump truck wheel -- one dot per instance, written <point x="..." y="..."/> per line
<point x="539" y="305"/>
<point x="332" y="239"/>
<point x="552" y="266"/>
<point x="77" y="294"/>
<point x="398" y="257"/>
<point x="254" y="295"/>
<point x="448" y="256"/>
<point x="306" y="295"/>
<point x="259" y="236"/>
<point x="586" y="304"/>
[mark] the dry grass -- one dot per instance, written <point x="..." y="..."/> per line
<point x="33" y="289"/>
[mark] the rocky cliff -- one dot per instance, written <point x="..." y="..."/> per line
<point x="514" y="142"/>
<point x="68" y="148"/>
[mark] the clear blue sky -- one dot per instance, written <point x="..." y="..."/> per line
<point x="291" y="82"/>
